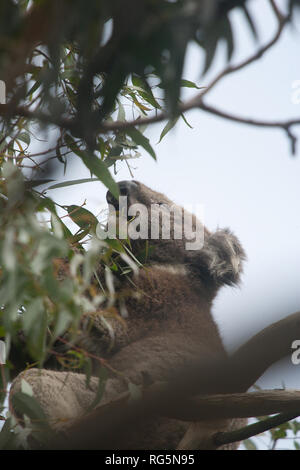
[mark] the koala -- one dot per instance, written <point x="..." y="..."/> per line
<point x="168" y="323"/>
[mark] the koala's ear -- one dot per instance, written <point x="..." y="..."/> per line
<point x="220" y="261"/>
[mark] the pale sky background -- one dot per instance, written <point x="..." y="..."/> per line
<point x="245" y="177"/>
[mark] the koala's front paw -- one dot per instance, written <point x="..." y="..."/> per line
<point x="224" y="256"/>
<point x="102" y="334"/>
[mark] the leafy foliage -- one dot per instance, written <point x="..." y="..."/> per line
<point x="276" y="438"/>
<point x="80" y="72"/>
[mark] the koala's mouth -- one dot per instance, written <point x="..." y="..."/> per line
<point x="126" y="188"/>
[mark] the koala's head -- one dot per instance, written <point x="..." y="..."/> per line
<point x="160" y="231"/>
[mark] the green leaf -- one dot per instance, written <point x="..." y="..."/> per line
<point x="56" y="226"/>
<point x="26" y="388"/>
<point x="189" y="84"/>
<point x="24" y="137"/>
<point x="73" y="145"/>
<point x="280" y="432"/>
<point x="140" y="139"/>
<point x="185" y="120"/>
<point x="115" y="244"/>
<point x="115" y="151"/>
<point x="95" y="165"/>
<point x="170" y="124"/>
<point x="34" y="87"/>
<point x="121" y="112"/>
<point x="296" y="426"/>
<point x="101" y="386"/>
<point x="88" y="370"/>
<point x="150" y="99"/>
<point x="249" y="444"/>
<point x="63" y="320"/>
<point x="6" y="436"/>
<point x="228" y="36"/>
<point x="82" y="217"/>
<point x="59" y="156"/>
<point x="45" y="203"/>
<point x="33" y="183"/>
<point x="145" y="91"/>
<point x="210" y="54"/>
<point x="71" y="183"/>
<point x="14" y="183"/>
<point x="66" y="232"/>
<point x="250" y="21"/>
<point x="210" y="46"/>
<point x="35" y="324"/>
<point x="99" y="168"/>
<point x="79" y="236"/>
<point x="29" y="406"/>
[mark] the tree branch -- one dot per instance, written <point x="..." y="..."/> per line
<point x="238" y="405"/>
<point x="223" y="438"/>
<point x="8" y="110"/>
<point x="284" y="125"/>
<point x="107" y="426"/>
<point x="253" y="122"/>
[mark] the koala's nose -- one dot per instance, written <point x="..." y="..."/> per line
<point x="125" y="188"/>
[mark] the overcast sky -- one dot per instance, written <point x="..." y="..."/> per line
<point x="245" y="177"/>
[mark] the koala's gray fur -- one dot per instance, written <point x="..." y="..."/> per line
<point x="169" y="324"/>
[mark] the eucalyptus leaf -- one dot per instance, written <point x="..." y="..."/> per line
<point x="25" y="137"/>
<point x="82" y="217"/>
<point x="33" y="183"/>
<point x="71" y="183"/>
<point x="140" y="139"/>
<point x="249" y="444"/>
<point x="170" y="124"/>
<point x="189" y="84"/>
<point x="250" y="21"/>
<point x="99" y="169"/>
<point x="29" y="406"/>
<point x="100" y="389"/>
